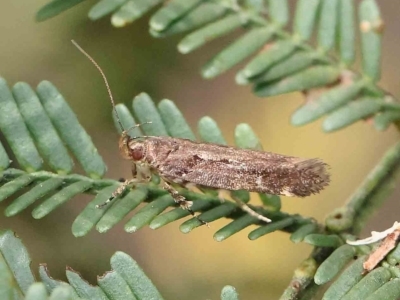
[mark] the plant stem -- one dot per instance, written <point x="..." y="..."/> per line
<point x="369" y="196"/>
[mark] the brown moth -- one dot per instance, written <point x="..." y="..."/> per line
<point x="182" y="162"/>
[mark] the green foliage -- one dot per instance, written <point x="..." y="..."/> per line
<point x="126" y="280"/>
<point x="282" y="61"/>
<point x="376" y="186"/>
<point x="344" y="268"/>
<point x="329" y="265"/>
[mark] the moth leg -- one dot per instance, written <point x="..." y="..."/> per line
<point x="143" y="173"/>
<point x="183" y="203"/>
<point x="137" y="174"/>
<point x="250" y="211"/>
<point x="222" y="195"/>
<point x="193" y="187"/>
<point x="119" y="191"/>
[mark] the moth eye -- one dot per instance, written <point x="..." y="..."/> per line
<point x="137" y="153"/>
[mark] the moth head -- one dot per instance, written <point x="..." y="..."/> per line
<point x="131" y="148"/>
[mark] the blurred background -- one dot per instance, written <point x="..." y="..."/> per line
<point x="191" y="266"/>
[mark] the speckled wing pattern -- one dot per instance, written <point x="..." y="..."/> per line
<point x="230" y="168"/>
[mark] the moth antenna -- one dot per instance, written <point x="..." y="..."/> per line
<point x="138" y="125"/>
<point x="105" y="81"/>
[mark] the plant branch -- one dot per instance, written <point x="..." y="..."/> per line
<point x="369" y="196"/>
<point x="210" y="205"/>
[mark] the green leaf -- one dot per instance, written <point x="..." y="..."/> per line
<point x="334" y="264"/>
<point x="210" y="132"/>
<point x="146" y="111"/>
<point x="389" y="291"/>
<point x="201" y="15"/>
<point x="347" y="280"/>
<point x="104" y="7"/>
<point x="60" y="198"/>
<point x="328" y="24"/>
<point x="273" y="226"/>
<point x="63" y="293"/>
<point x="134" y="276"/>
<point x="83" y="288"/>
<point x="179" y="213"/>
<point x="296" y="62"/>
<point x="72" y="133"/>
<point x="174" y="120"/>
<point x="210" y="32"/>
<point x="39" y="124"/>
<point x="274" y="53"/>
<point x="127" y="121"/>
<point x="4" y="159"/>
<point x="12" y="187"/>
<point x="55" y="8"/>
<point x="371" y="26"/>
<point x="49" y="282"/>
<point x="346" y="31"/>
<point x="307" y="79"/>
<point x="171" y="12"/>
<point x="15" y="255"/>
<point x="132" y="10"/>
<point x="7" y="290"/>
<point x="322" y="240"/>
<point x="351" y="113"/>
<point x="37" y="291"/>
<point x="40" y="190"/>
<point x="124" y="206"/>
<point x="383" y="120"/>
<point x="115" y="286"/>
<point x="90" y="215"/>
<point x="326" y="103"/>
<point x="299" y="235"/>
<point x="369" y="284"/>
<point x="279" y="11"/>
<point x="306" y="13"/>
<point x="234" y="227"/>
<point x="246" y="138"/>
<point x="271" y="202"/>
<point x="15" y="131"/>
<point x="223" y="210"/>
<point x="146" y="214"/>
<point x="393" y="257"/>
<point x="236" y="52"/>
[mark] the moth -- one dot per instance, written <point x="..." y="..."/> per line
<point x="185" y="163"/>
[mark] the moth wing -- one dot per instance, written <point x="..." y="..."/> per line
<point x="239" y="169"/>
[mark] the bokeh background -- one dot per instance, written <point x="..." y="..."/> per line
<point x="191" y="266"/>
